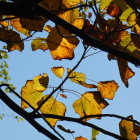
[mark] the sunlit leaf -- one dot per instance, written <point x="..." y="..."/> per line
<point x="52" y="106"/>
<point x="76" y="77"/>
<point x="58" y="71"/>
<point x="12" y="39"/>
<point x="80" y="138"/>
<point x="64" y="129"/>
<point x="47" y="28"/>
<point x="94" y="133"/>
<point x="17" y="25"/>
<point x="74" y="2"/>
<point x="39" y="43"/>
<point x="104" y="4"/>
<point x="59" y="46"/>
<point x="30" y="95"/>
<point x="40" y="82"/>
<point x="129" y="129"/>
<point x="125" y="71"/>
<point x="78" y="22"/>
<point x="91" y="103"/>
<point x="108" y="89"/>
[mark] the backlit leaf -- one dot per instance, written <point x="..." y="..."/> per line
<point x="87" y="85"/>
<point x="76" y="77"/>
<point x="12" y="39"/>
<point x="52" y="106"/>
<point x="40" y="82"/>
<point x="47" y="28"/>
<point x="30" y="94"/>
<point x="80" y="138"/>
<point x="125" y="71"/>
<point x="74" y="2"/>
<point x="17" y="25"/>
<point x="108" y="89"/>
<point x="104" y="3"/>
<point x="91" y="103"/>
<point x="94" y="133"/>
<point x="61" y="47"/>
<point x="58" y="71"/>
<point x="39" y="43"/>
<point x="78" y="22"/>
<point x="129" y="129"/>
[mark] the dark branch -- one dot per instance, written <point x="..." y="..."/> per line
<point x="11" y="104"/>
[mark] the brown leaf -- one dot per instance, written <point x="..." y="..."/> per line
<point x="33" y="24"/>
<point x="12" y="39"/>
<point x="64" y="129"/>
<point x="91" y="103"/>
<point x="129" y="129"/>
<point x="87" y="85"/>
<point x="63" y="95"/>
<point x="136" y="40"/>
<point x="108" y="89"/>
<point x="125" y="71"/>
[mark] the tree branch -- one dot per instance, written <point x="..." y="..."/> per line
<point x="11" y="104"/>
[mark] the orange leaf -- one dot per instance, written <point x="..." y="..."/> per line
<point x="87" y="85"/>
<point x="63" y="95"/>
<point x="12" y="39"/>
<point x="91" y="103"/>
<point x="80" y="138"/>
<point x="125" y="71"/>
<point x="129" y="129"/>
<point x="60" y="47"/>
<point x="108" y="89"/>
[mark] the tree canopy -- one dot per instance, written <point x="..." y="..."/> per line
<point x="96" y="25"/>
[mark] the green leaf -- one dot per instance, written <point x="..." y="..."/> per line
<point x="94" y="133"/>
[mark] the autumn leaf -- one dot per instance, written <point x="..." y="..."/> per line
<point x="30" y="95"/>
<point x="129" y="129"/>
<point x="47" y="28"/>
<point x="17" y="25"/>
<point x="52" y="106"/>
<point x="61" y="47"/>
<point x="91" y="103"/>
<point x="64" y="129"/>
<point x="87" y="85"/>
<point x="80" y="138"/>
<point x="63" y="95"/>
<point x="104" y="4"/>
<point x="40" y="82"/>
<point x="39" y="43"/>
<point x="125" y="71"/>
<point x="58" y="71"/>
<point x="12" y="39"/>
<point x="94" y="133"/>
<point x="33" y="24"/>
<point x="108" y="89"/>
<point x="76" y="77"/>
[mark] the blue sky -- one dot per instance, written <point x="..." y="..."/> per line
<point x="27" y="64"/>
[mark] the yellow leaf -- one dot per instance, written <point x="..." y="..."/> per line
<point x="52" y="106"/>
<point x="12" y="39"/>
<point x="128" y="129"/>
<point x="104" y="4"/>
<point x="17" y="25"/>
<point x="39" y="43"/>
<point x="125" y="71"/>
<point x="60" y="47"/>
<point x="78" y="22"/>
<point x="58" y="71"/>
<point x="132" y="21"/>
<point x="30" y="95"/>
<point x="47" y="28"/>
<point x="33" y="24"/>
<point x="76" y="77"/>
<point x="80" y="138"/>
<point x="108" y="89"/>
<point x="91" y="103"/>
<point x="40" y="82"/>
<point x="74" y="2"/>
